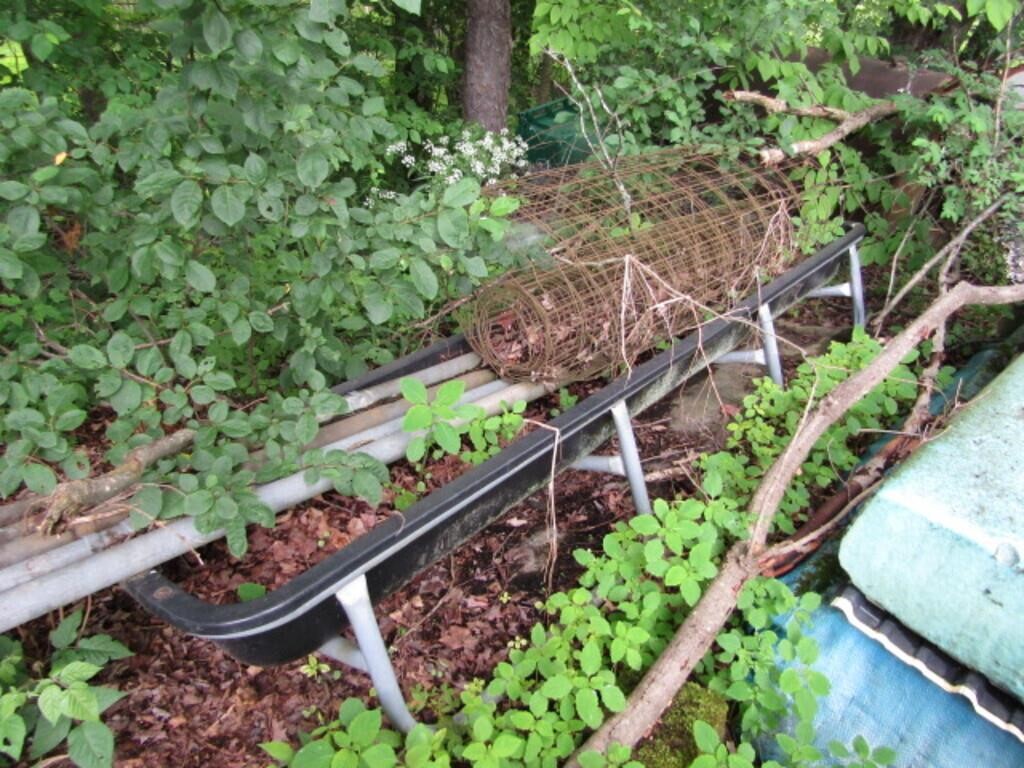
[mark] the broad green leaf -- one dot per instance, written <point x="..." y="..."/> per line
<point x="999" y="12"/>
<point x="246" y="592"/>
<point x="364" y="727"/>
<point x="423" y="278"/>
<point x="379" y="756"/>
<point x="316" y="754"/>
<point x="447" y="437"/>
<point x="200" y="277"/>
<point x="39" y="478"/>
<point x="414" y="391"/>
<point x="705" y="736"/>
<point x="186" y="200"/>
<point x="157" y="182"/>
<point x="412" y="6"/>
<point x="228" y="204"/>
<point x="506" y="744"/>
<point x="278" y="750"/>
<point x="13" y="190"/>
<point x="313" y="168"/>
<point x="556" y="687"/>
<point x="378" y="309"/>
<point x="504" y="205"/>
<point x="453" y="227"/>
<point x="23" y="220"/>
<point x="461" y="193"/>
<point x="613" y="697"/>
<point x="588" y="708"/>
<point x="87" y="357"/>
<point x="249" y="45"/>
<point x="448" y="394"/>
<point x="120" y="349"/>
<point x="590" y="658"/>
<point x="367" y="487"/>
<point x="70" y="420"/>
<point x="216" y="29"/>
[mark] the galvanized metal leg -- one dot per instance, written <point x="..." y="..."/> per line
<point x="631" y="457"/>
<point x="355" y="599"/>
<point x="860" y="315"/>
<point x="770" y="343"/>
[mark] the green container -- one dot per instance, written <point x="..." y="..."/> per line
<point x="553" y="142"/>
<point x="941" y="545"/>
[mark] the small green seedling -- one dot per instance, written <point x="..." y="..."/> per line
<point x="250" y="591"/>
<point x="488" y="433"/>
<point x="441" y="422"/>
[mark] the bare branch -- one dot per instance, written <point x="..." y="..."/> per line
<point x="74" y="495"/>
<point x="952" y="248"/>
<point x="849" y="122"/>
<point x="774" y="106"/>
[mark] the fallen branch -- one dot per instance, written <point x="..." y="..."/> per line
<point x="849" y="122"/>
<point x="75" y="495"/>
<point x="743" y="562"/>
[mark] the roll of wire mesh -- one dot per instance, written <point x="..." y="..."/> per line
<point x="631" y="257"/>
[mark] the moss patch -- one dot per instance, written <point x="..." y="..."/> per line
<point x="671" y="745"/>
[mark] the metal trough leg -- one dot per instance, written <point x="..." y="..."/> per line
<point x="860" y="315"/>
<point x="631" y="457"/>
<point x="770" y="343"/>
<point x="355" y="599"/>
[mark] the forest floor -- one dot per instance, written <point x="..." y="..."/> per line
<point x="188" y="703"/>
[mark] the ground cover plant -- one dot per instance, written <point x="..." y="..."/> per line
<point x="571" y="672"/>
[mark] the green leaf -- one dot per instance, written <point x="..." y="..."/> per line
<point x="461" y="193"/>
<point x="41" y="46"/>
<point x="448" y="394"/>
<point x="366" y="486"/>
<point x="13" y="190"/>
<point x="278" y="750"/>
<point x="556" y="687"/>
<point x="506" y="744"/>
<point x="613" y="697"/>
<point x="364" y="727"/>
<point x="705" y="736"/>
<point x="645" y="525"/>
<point x="39" y="478"/>
<point x="247" y="591"/>
<point x="216" y="29"/>
<point x="77" y="671"/>
<point x="416" y="449"/>
<point x="91" y="745"/>
<point x="412" y="6"/>
<point x="504" y="205"/>
<point x="712" y="484"/>
<point x="447" y="437"/>
<point x="312" y="168"/>
<point x="414" y="391"/>
<point x="590" y="658"/>
<point x="379" y="756"/>
<point x="70" y="420"/>
<point x="378" y="309"/>
<point x="316" y="754"/>
<point x="587" y="707"/>
<point x="453" y="227"/>
<point x="423" y="278"/>
<point x="228" y="204"/>
<point x="375" y="105"/>
<point x="999" y="12"/>
<point x="120" y="349"/>
<point x="87" y="357"/>
<point x="186" y="200"/>
<point x="200" y="277"/>
<point x="66" y="632"/>
<point x="416" y="418"/>
<point x="157" y="183"/>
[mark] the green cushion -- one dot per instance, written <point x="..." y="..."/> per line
<point x="941" y="545"/>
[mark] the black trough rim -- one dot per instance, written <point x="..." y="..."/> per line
<point x="298" y="617"/>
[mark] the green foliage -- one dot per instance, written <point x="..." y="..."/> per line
<point x="181" y="232"/>
<point x="487" y="434"/>
<point x="772" y="414"/>
<point x="41" y="711"/>
<point x="572" y="672"/>
<point x="439" y="423"/>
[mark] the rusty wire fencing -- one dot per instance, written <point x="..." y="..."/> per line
<point x="625" y="259"/>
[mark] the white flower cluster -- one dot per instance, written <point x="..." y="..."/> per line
<point x="376" y="193"/>
<point x="487" y="158"/>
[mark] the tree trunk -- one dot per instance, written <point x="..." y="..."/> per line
<point x="488" y="72"/>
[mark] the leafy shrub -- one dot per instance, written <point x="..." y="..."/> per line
<point x="41" y="711"/>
